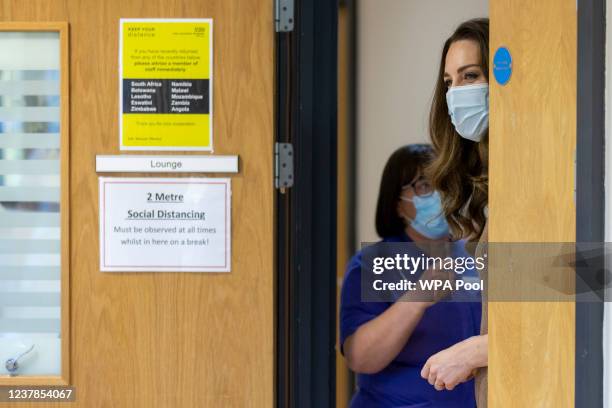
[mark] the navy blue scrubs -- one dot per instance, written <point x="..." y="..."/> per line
<point x="400" y="385"/>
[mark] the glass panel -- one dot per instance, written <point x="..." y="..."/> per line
<point x="30" y="233"/>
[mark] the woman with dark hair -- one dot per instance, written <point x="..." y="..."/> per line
<point x="387" y="343"/>
<point x="459" y="129"/>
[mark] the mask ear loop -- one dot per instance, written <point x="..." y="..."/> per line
<point x="406" y="187"/>
<point x="406" y="199"/>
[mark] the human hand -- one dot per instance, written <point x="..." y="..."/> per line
<point x="457" y="364"/>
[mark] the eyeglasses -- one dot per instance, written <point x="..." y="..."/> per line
<point x="421" y="186"/>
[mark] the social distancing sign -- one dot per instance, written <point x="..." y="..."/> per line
<point x="165" y="224"/>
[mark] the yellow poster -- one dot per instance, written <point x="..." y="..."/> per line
<point x="165" y="84"/>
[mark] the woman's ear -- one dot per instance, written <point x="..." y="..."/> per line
<point x="406" y="209"/>
<point x="402" y="211"/>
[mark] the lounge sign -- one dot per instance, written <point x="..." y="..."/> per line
<point x="166" y="164"/>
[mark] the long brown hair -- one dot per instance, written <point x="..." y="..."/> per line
<point x="459" y="170"/>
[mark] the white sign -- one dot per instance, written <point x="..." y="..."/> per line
<point x="166" y="164"/>
<point x="165" y="224"/>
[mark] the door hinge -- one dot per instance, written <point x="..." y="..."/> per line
<point x="283" y="15"/>
<point x="283" y="166"/>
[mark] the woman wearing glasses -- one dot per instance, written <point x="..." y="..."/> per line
<point x="387" y="343"/>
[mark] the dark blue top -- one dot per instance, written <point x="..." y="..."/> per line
<point x="400" y="385"/>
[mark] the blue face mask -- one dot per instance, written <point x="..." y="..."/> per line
<point x="429" y="220"/>
<point x="468" y="107"/>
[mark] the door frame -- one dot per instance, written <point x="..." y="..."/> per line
<point x="590" y="194"/>
<point x="306" y="117"/>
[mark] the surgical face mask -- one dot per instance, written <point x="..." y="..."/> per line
<point x="429" y="220"/>
<point x="468" y="107"/>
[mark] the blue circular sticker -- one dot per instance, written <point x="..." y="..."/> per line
<point x="502" y="65"/>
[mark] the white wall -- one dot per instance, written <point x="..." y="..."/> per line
<point x="398" y="49"/>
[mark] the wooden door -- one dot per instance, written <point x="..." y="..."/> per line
<point x="532" y="145"/>
<point x="170" y="339"/>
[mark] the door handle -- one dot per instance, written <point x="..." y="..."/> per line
<point x="12" y="364"/>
